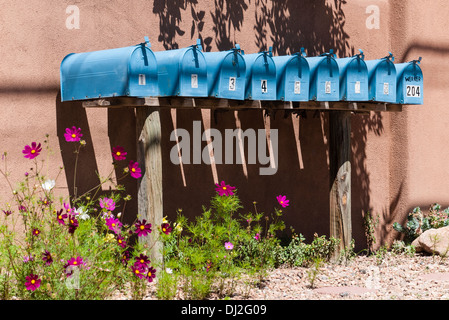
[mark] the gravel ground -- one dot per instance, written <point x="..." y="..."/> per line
<point x="396" y="277"/>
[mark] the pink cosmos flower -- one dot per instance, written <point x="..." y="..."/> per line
<point x="121" y="241"/>
<point x="68" y="208"/>
<point x="165" y="227"/>
<point x="151" y="274"/>
<point x="114" y="224"/>
<point x="224" y="189"/>
<point x="143" y="228"/>
<point x="75" y="261"/>
<point x="61" y="217"/>
<point x="283" y="200"/>
<point x="32" y="151"/>
<point x="73" y="134"/>
<point x="229" y="246"/>
<point x="32" y="282"/>
<point x="134" y="169"/>
<point x="107" y="204"/>
<point x="119" y="153"/>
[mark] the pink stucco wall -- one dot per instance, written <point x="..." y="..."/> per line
<point x="399" y="160"/>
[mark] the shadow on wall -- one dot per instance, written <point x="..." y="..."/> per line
<point x="121" y="131"/>
<point x="303" y="173"/>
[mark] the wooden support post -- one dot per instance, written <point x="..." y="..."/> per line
<point x="149" y="156"/>
<point x="340" y="178"/>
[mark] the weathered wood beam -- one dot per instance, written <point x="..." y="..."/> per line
<point x="340" y="178"/>
<point x="212" y="103"/>
<point x="149" y="155"/>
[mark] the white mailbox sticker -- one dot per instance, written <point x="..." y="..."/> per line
<point x="357" y="87"/>
<point x="263" y="85"/>
<point x="297" y="87"/>
<point x="328" y="89"/>
<point x="231" y="83"/>
<point x="413" y="91"/>
<point x="194" y="81"/>
<point x="142" y="80"/>
<point x="386" y="88"/>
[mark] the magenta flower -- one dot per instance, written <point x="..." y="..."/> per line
<point x="78" y="261"/>
<point x="32" y="282"/>
<point x="47" y="258"/>
<point x="107" y="204"/>
<point x="73" y="224"/>
<point x="68" y="208"/>
<point x="119" y="153"/>
<point x="134" y="169"/>
<point x="151" y="274"/>
<point x="113" y="224"/>
<point x="142" y="261"/>
<point x="282" y="200"/>
<point x="121" y="241"/>
<point x="143" y="228"/>
<point x="165" y="227"/>
<point x="36" y="232"/>
<point x="126" y="256"/>
<point x="224" y="189"/>
<point x="73" y="134"/>
<point x="7" y="212"/>
<point x="257" y="236"/>
<point x="229" y="246"/>
<point x="32" y="151"/>
<point x="61" y="217"/>
<point x="138" y="271"/>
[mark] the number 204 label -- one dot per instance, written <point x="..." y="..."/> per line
<point x="413" y="91"/>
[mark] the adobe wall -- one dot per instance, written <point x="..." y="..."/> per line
<point x="399" y="160"/>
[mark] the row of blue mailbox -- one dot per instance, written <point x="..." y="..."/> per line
<point x="137" y="71"/>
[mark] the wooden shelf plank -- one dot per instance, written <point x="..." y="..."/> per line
<point x="212" y="103"/>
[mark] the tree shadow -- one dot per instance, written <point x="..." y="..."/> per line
<point x="287" y="26"/>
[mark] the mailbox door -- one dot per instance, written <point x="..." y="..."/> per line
<point x="382" y="80"/>
<point x="232" y="77"/>
<point x="143" y="73"/>
<point x="226" y="73"/>
<point x="168" y="70"/>
<point x="325" y="82"/>
<point x="292" y="77"/>
<point x="409" y="83"/>
<point x="193" y="77"/>
<point x="353" y="79"/>
<point x="261" y="77"/>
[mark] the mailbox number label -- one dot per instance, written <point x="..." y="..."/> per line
<point x="263" y="85"/>
<point x="142" y="80"/>
<point x="386" y="88"/>
<point x="328" y="88"/>
<point x="194" y="81"/>
<point x="297" y="87"/>
<point x="357" y="87"/>
<point x="232" y="84"/>
<point x="414" y="91"/>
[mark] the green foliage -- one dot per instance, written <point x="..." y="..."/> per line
<point x="417" y="222"/>
<point x="66" y="243"/>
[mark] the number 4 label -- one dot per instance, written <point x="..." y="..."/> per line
<point x="263" y="85"/>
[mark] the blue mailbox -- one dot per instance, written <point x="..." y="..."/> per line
<point x="324" y="77"/>
<point x="410" y="82"/>
<point x="129" y="71"/>
<point x="260" y="76"/>
<point x="382" y="79"/>
<point x="182" y="72"/>
<point x="292" y="77"/>
<point x="353" y="78"/>
<point x="226" y="71"/>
